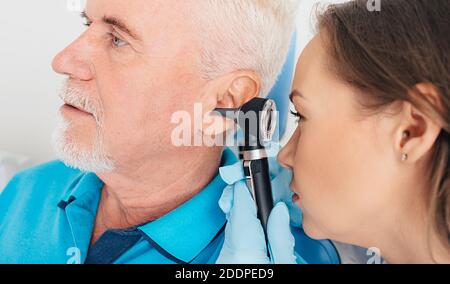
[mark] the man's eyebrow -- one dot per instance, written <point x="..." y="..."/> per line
<point x="296" y="93"/>
<point x="113" y="21"/>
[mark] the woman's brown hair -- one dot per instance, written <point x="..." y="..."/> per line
<point x="384" y="54"/>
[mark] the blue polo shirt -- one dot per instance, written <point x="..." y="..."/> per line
<point x="47" y="216"/>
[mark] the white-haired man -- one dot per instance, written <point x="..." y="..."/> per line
<point x="125" y="193"/>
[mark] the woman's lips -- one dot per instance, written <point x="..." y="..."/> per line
<point x="296" y="196"/>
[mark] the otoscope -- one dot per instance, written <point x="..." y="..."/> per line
<point x="257" y="119"/>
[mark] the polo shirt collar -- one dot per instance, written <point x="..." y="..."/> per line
<point x="80" y="203"/>
<point x="186" y="231"/>
<point x="85" y="190"/>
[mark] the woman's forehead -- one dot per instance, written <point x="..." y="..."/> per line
<point x="312" y="57"/>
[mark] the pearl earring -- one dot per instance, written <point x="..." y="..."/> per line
<point x="404" y="157"/>
<point x="406" y="135"/>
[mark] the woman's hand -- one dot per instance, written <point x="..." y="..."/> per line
<point x="244" y="236"/>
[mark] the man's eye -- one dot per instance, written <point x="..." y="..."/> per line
<point x="118" y="42"/>
<point x="299" y="116"/>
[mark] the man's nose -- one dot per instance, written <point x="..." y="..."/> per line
<point x="74" y="61"/>
<point x="287" y="154"/>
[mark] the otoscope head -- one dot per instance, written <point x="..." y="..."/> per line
<point x="257" y="119"/>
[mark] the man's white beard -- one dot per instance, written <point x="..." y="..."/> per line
<point x="88" y="159"/>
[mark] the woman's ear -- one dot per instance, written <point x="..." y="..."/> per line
<point x="417" y="133"/>
<point x="230" y="91"/>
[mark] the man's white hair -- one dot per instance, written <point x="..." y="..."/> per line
<point x="247" y="35"/>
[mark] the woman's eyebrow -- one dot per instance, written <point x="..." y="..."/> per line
<point x="296" y="93"/>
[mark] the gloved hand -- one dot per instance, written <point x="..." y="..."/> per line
<point x="244" y="236"/>
<point x="280" y="179"/>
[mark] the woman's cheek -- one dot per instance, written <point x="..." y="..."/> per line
<point x="319" y="181"/>
<point x="309" y="172"/>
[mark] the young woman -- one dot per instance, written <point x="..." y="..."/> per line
<point x="370" y="155"/>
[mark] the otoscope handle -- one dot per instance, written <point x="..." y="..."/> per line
<point x="257" y="173"/>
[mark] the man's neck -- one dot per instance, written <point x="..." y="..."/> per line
<point x="136" y="196"/>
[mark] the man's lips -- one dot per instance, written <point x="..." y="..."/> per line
<point x="73" y="109"/>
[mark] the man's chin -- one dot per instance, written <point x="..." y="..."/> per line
<point x="75" y="155"/>
<point x="84" y="162"/>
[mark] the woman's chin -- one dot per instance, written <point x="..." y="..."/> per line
<point x="311" y="230"/>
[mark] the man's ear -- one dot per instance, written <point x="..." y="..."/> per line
<point x="417" y="132"/>
<point x="230" y="91"/>
<point x="241" y="87"/>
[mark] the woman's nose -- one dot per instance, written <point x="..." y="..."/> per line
<point x="287" y="154"/>
<point x="284" y="158"/>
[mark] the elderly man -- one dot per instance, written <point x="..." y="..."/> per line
<point x="137" y="64"/>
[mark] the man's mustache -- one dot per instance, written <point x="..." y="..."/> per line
<point x="74" y="96"/>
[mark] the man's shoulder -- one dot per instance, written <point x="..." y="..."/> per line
<point x="53" y="176"/>
<point x="50" y="172"/>
<point x="33" y="229"/>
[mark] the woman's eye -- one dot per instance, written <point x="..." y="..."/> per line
<point x="298" y="115"/>
<point x="118" y="42"/>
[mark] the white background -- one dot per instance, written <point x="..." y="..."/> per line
<point x="31" y="34"/>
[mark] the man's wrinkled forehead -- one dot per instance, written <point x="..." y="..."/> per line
<point x="142" y="16"/>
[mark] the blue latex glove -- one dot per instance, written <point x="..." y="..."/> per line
<point x="244" y="236"/>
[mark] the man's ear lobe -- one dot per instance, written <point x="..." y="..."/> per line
<point x="416" y="135"/>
